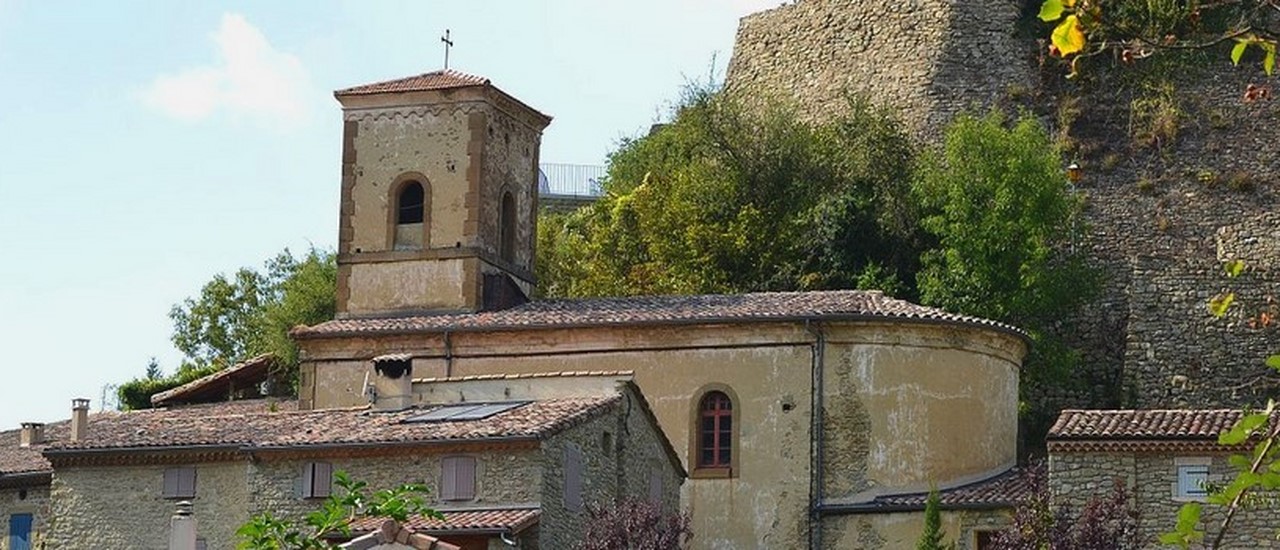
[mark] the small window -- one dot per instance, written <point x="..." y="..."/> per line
<point x="410" y="204"/>
<point x="317" y="480"/>
<point x="715" y="431"/>
<point x="180" y="482"/>
<point x="458" y="478"/>
<point x="1192" y="481"/>
<point x="572" y="478"/>
<point x="20" y="531"/>
<point x="507" y="228"/>
<point x="985" y="539"/>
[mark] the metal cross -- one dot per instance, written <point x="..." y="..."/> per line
<point x="447" y="44"/>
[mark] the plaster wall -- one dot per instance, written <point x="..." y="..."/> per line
<point x="903" y="529"/>
<point x="436" y="284"/>
<point x="28" y="500"/>
<point x="122" y="506"/>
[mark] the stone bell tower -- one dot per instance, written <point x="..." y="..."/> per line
<point x="439" y="196"/>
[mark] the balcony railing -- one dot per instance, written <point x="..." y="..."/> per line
<point x="573" y="180"/>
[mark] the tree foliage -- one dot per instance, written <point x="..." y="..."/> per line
<point x="1107" y="522"/>
<point x="267" y="532"/>
<point x="1005" y="222"/>
<point x="932" y="537"/>
<point x="726" y="199"/>
<point x="634" y="525"/>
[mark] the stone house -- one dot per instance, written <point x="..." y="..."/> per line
<point x="24" y="484"/>
<point x="799" y="416"/>
<point x="1165" y="457"/>
<point x="521" y="467"/>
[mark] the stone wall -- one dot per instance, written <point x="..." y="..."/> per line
<point x="25" y="500"/>
<point x="1077" y="477"/>
<point x="1179" y="175"/>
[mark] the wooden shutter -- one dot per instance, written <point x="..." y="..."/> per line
<point x="321" y="479"/>
<point x="458" y="478"/>
<point x="170" y="489"/>
<point x="179" y="482"/>
<point x="572" y="478"/>
<point x="655" y="484"/>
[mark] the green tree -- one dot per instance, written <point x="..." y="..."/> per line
<point x="997" y="200"/>
<point x="728" y="199"/>
<point x="931" y="538"/>
<point x="267" y="532"/>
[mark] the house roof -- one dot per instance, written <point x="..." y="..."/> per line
<point x="391" y="534"/>
<point x="1004" y="490"/>
<point x="644" y="310"/>
<point x="478" y="522"/>
<point x="219" y="384"/>
<point x="21" y="466"/>
<point x="528" y="376"/>
<point x="434" y="80"/>
<point x="262" y="424"/>
<point x="1153" y="430"/>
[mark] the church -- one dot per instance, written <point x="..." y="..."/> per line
<point x="775" y="420"/>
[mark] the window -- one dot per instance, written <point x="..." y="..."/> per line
<point x="985" y="539"/>
<point x="409" y="204"/>
<point x="715" y="431"/>
<point x="180" y="482"/>
<point x="458" y="478"/>
<point x="1193" y="476"/>
<point x="655" y="484"/>
<point x="507" y="228"/>
<point x="20" y="532"/>
<point x="572" y="478"/>
<point x="317" y="479"/>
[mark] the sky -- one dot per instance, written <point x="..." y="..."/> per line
<point x="146" y="146"/>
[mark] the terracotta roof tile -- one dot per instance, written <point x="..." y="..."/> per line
<point x="18" y="460"/>
<point x="258" y="424"/>
<point x="218" y="384"/>
<point x="492" y="520"/>
<point x="434" y="80"/>
<point x="834" y="304"/>
<point x="1142" y="424"/>
<point x="1001" y="491"/>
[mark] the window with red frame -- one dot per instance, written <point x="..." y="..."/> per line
<point x="715" y="431"/>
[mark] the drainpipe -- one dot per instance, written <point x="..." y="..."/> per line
<point x="448" y="354"/>
<point x="819" y="348"/>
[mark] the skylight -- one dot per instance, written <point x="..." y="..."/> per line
<point x="465" y="411"/>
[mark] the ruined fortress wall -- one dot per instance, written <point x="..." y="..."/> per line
<point x="927" y="59"/>
<point x="1162" y="213"/>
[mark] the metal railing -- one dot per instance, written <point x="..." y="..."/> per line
<point x="576" y="180"/>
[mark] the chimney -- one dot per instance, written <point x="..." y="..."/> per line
<point x="393" y="382"/>
<point x="32" y="434"/>
<point x="182" y="528"/>
<point x="79" y="419"/>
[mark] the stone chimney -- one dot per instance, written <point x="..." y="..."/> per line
<point x="182" y="528"/>
<point x="79" y="419"/>
<point x="32" y="434"/>
<point x="392" y="382"/>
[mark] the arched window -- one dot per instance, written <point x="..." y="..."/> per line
<point x="715" y="431"/>
<point x="409" y="204"/>
<point x="507" y="228"/>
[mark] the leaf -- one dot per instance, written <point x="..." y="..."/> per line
<point x="1238" y="51"/>
<point x="1068" y="36"/>
<point x="1233" y="268"/>
<point x="1269" y="62"/>
<point x="1219" y="304"/>
<point x="1051" y="10"/>
<point x="1274" y="362"/>
<point x="1242" y="430"/>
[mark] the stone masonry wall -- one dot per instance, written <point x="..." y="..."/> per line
<point x="1179" y="175"/>
<point x="1077" y="477"/>
<point x="560" y="526"/>
<point x="29" y="500"/>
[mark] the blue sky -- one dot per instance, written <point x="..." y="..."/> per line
<point x="145" y="146"/>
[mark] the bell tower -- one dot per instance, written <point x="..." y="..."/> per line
<point x="439" y="196"/>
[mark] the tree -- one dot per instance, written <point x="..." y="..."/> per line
<point x="633" y="524"/>
<point x="1106" y="522"/>
<point x="997" y="201"/>
<point x="1138" y="29"/>
<point x="153" y="370"/>
<point x="931" y="538"/>
<point x="728" y="199"/>
<point x="266" y="532"/>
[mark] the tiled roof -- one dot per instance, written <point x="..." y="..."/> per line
<point x="494" y="520"/>
<point x="17" y="460"/>
<point x="259" y="424"/>
<point x="434" y="80"/>
<point x="391" y="532"/>
<point x="529" y="375"/>
<point x="1143" y="424"/>
<point x="1001" y="491"/>
<point x="718" y="308"/>
<point x="216" y="386"/>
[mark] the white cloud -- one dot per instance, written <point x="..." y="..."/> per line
<point x="249" y="78"/>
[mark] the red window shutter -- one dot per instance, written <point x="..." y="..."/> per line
<point x="572" y="478"/>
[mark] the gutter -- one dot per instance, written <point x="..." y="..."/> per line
<point x="872" y="508"/>
<point x="816" y="442"/>
<point x="250" y="449"/>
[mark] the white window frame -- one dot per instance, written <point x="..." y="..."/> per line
<point x="1190" y="474"/>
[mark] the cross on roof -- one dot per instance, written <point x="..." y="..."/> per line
<point x="447" y="44"/>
